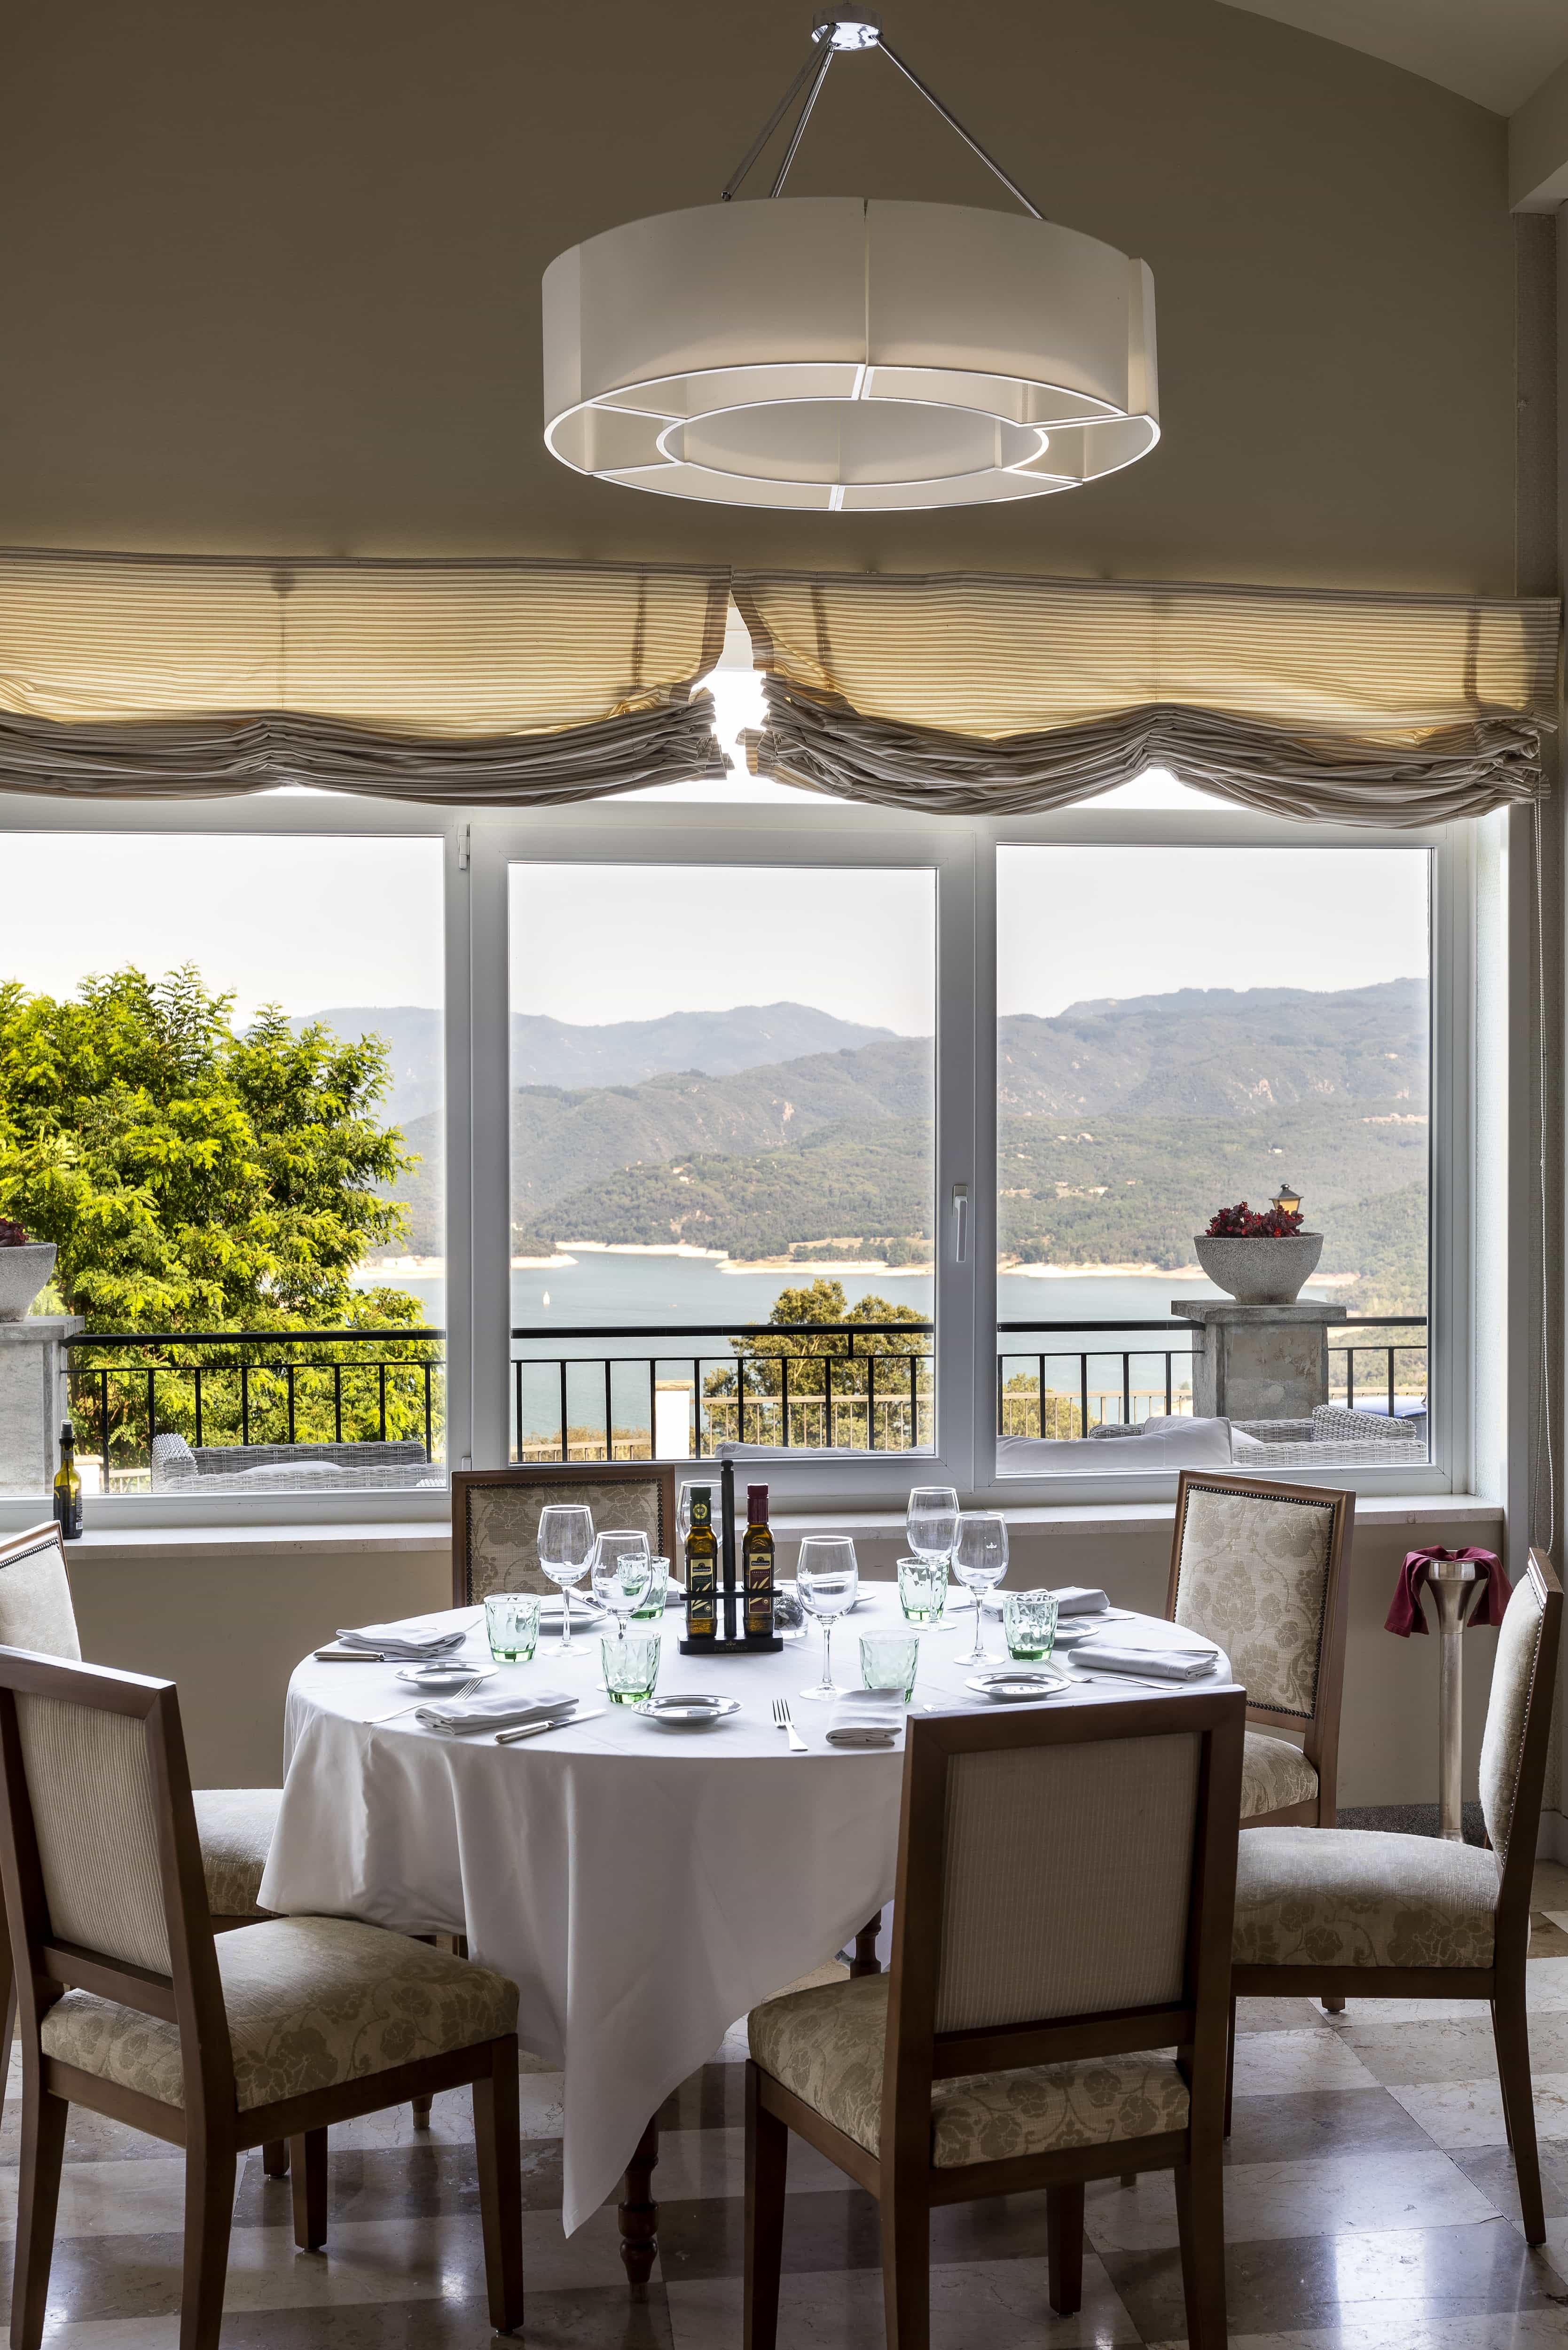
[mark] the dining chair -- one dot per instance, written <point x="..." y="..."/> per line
<point x="1055" y="2010"/>
<point x="496" y="1517"/>
<point x="1262" y="1570"/>
<point x="128" y="2004"/>
<point x="1368" y="1915"/>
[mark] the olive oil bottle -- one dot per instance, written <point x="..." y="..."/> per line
<point x="68" y="1488"/>
<point x="757" y="1565"/>
<point x="701" y="1568"/>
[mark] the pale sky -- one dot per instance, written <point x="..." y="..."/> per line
<point x="313" y="922"/>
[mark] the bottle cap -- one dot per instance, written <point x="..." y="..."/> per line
<point x="757" y="1504"/>
<point x="68" y="1433"/>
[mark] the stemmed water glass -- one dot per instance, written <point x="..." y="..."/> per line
<point x="979" y="1560"/>
<point x="566" y="1540"/>
<point x="622" y="1572"/>
<point x="931" y="1522"/>
<point x="827" y="1578"/>
<point x="683" y="1522"/>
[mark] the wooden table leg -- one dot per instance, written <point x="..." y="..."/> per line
<point x="866" y="1961"/>
<point x="638" y="2211"/>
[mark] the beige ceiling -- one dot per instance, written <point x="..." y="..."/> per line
<point x="1495" y="51"/>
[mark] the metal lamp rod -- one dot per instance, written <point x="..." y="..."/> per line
<point x="951" y="119"/>
<point x="814" y="72"/>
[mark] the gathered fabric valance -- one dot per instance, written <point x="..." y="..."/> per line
<point x="970" y="694"/>
<point x="507" y="683"/>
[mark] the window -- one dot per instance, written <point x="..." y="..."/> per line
<point x="762" y="1122"/>
<point x="1183" y="1030"/>
<point x="722" y="1096"/>
<point x="220" y="1096"/>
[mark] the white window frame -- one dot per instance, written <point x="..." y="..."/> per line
<point x="480" y="844"/>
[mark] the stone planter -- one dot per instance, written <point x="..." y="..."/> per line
<point x="1259" y="1272"/>
<point x="23" y="1273"/>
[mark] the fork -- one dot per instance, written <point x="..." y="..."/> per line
<point x="466" y="1690"/>
<point x="782" y="1720"/>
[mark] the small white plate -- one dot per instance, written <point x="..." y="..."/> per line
<point x="692" y="1712"/>
<point x="859" y="1600"/>
<point x="442" y="1679"/>
<point x="584" y="1611"/>
<point x="1016" y="1684"/>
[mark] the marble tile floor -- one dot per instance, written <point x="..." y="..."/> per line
<point x="1369" y="2206"/>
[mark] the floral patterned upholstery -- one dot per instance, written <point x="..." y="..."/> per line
<point x="826" y="2046"/>
<point x="1350" y="1898"/>
<point x="235" y="1826"/>
<point x="1274" y="1776"/>
<point x="1253" y="1576"/>
<point x="311" y="2002"/>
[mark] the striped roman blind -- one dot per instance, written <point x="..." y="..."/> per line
<point x="511" y="682"/>
<point x="985" y="693"/>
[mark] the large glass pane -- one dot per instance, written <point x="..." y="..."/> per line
<point x="1183" y="1032"/>
<point x="220" y="1087"/>
<point x="721" y="1159"/>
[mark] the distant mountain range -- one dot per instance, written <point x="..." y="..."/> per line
<point x="1123" y="1123"/>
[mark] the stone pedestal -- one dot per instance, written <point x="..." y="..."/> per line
<point x="32" y="1364"/>
<point x="1258" y="1362"/>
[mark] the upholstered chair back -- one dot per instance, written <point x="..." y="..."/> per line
<point x="496" y="1521"/>
<point x="1518" y="1701"/>
<point x="1252" y="1571"/>
<point x="95" y="1817"/>
<point x="1067" y="1880"/>
<point x="35" y="1610"/>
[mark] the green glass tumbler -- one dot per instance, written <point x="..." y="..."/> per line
<point x="1029" y="1625"/>
<point x="890" y="1660"/>
<point x="512" y="1625"/>
<point x="631" y="1666"/>
<point x="650" y="1608"/>
<point x="923" y="1589"/>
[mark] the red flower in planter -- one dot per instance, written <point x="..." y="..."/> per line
<point x="12" y="1235"/>
<point x="1243" y="1223"/>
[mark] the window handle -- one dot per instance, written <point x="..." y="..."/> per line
<point x="960" y="1223"/>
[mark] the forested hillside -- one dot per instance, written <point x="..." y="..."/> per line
<point x="1121" y="1126"/>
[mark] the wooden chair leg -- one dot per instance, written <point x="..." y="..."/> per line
<point x="866" y="1961"/>
<point x="496" y="2137"/>
<point x="1333" y="2003"/>
<point x="1200" y="2221"/>
<point x="421" y="2109"/>
<point x="1510" y="2033"/>
<point x="906" y="2267"/>
<point x="767" y="2159"/>
<point x="308" y="2161"/>
<point x="275" y="2157"/>
<point x="637" y="2211"/>
<point x="1128" y="2178"/>
<point x="209" y="2173"/>
<point x="37" y="2196"/>
<point x="1064" y="2247"/>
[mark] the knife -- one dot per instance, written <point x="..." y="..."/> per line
<point x="535" y="1728"/>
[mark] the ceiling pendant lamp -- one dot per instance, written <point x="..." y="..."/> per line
<point x="835" y="354"/>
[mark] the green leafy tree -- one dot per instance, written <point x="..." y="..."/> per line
<point x="823" y="1363"/>
<point x="194" y="1177"/>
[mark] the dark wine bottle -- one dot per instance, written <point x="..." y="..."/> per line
<point x="757" y="1564"/>
<point x="701" y="1568"/>
<point x="68" y="1488"/>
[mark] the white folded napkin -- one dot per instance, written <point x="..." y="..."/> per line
<point x="1077" y="1599"/>
<point x="1184" y="1664"/>
<point x="870" y="1718"/>
<point x="413" y="1643"/>
<point x="492" y="1713"/>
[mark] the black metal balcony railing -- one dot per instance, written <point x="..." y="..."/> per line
<point x="875" y="1391"/>
<point x="251" y="1387"/>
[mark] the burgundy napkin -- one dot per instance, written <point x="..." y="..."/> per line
<point x="1407" y="1615"/>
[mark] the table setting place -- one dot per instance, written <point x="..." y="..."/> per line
<point x="920" y="1644"/>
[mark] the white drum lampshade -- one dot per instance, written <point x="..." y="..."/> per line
<point x="831" y="353"/>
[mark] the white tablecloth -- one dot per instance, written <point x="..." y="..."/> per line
<point x="642" y="1888"/>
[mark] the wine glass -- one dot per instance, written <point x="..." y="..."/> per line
<point x="827" y="1578"/>
<point x="683" y="1522"/>
<point x="565" y="1541"/>
<point x="622" y="1572"/>
<point x="980" y="1559"/>
<point x="931" y="1522"/>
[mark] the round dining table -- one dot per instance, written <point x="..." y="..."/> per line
<point x="642" y="1887"/>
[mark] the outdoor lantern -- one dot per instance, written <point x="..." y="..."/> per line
<point x="841" y="353"/>
<point x="1286" y="1201"/>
